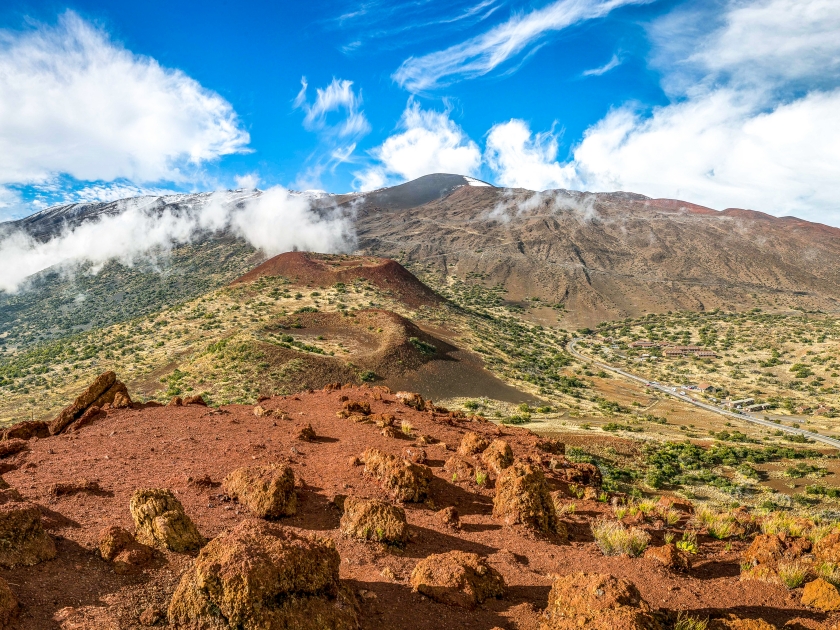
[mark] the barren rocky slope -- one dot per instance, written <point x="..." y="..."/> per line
<point x="357" y="508"/>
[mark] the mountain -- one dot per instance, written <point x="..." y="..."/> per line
<point x="577" y="256"/>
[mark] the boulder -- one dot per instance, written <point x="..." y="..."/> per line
<point x="121" y="401"/>
<point x="457" y="578"/>
<point x="198" y="399"/>
<point x="821" y="595"/>
<point x="109" y="397"/>
<point x="765" y="550"/>
<point x="669" y="556"/>
<point x="733" y="622"/>
<point x="118" y="546"/>
<point x="411" y="399"/>
<point x="459" y="469"/>
<point x="160" y="521"/>
<point x="449" y="517"/>
<point x="306" y="433"/>
<point x="497" y="456"/>
<point x="522" y="498"/>
<point x="827" y="549"/>
<point x="260" y="576"/>
<point x="26" y="430"/>
<point x="356" y="407"/>
<point x="13" y="446"/>
<point x="552" y="446"/>
<point x="371" y="519"/>
<point x="23" y="541"/>
<point x="8" y="605"/>
<point x="403" y="479"/>
<point x="267" y="491"/>
<point x="91" y="413"/>
<point x="596" y="602"/>
<point x="472" y="443"/>
<point x="415" y="454"/>
<point x="175" y="401"/>
<point x="87" y="398"/>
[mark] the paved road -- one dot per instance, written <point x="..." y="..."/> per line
<point x="683" y="397"/>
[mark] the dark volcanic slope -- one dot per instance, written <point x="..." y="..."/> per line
<point x="611" y="255"/>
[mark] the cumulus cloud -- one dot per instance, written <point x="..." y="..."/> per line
<point x="73" y="101"/>
<point x="430" y="142"/>
<point x="480" y="55"/>
<point x="248" y="181"/>
<point x="741" y="130"/>
<point x="520" y="159"/>
<point x="274" y="221"/>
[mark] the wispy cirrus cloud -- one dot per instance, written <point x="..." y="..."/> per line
<point x="597" y="72"/>
<point x="338" y="95"/>
<point x="482" y="54"/>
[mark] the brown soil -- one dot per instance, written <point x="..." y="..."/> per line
<point x="323" y="270"/>
<point x="191" y="449"/>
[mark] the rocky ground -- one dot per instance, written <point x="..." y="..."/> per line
<point x="354" y="507"/>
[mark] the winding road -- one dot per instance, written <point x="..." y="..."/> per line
<point x="571" y="347"/>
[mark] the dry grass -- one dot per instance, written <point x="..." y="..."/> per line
<point x="784" y="523"/>
<point x="793" y="574"/>
<point x="684" y="622"/>
<point x="614" y="539"/>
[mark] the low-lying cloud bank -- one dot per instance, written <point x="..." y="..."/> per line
<point x="274" y="221"/>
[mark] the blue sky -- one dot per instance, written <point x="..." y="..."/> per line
<point x="726" y="103"/>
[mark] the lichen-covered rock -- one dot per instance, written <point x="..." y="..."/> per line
<point x="267" y="491"/>
<point x="415" y="454"/>
<point x="305" y="433"/>
<point x="821" y="595"/>
<point x="405" y="480"/>
<point x="260" y="576"/>
<point x="160" y="521"/>
<point x="497" y="456"/>
<point x="457" y="578"/>
<point x="118" y="546"/>
<point x="522" y="498"/>
<point x="370" y="519"/>
<point x="8" y="605"/>
<point x="121" y="401"/>
<point x="669" y="556"/>
<point x="596" y="602"/>
<point x="472" y="443"/>
<point x="87" y="398"/>
<point x="23" y="541"/>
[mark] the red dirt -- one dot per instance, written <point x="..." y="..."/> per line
<point x="191" y="449"/>
<point x="326" y="270"/>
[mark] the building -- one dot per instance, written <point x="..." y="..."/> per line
<point x="706" y="388"/>
<point x="644" y="344"/>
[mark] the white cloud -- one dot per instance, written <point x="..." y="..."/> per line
<point x="274" y="221"/>
<point x="249" y="181"/>
<point x="520" y="160"/>
<point x="431" y="142"/>
<point x="74" y="102"/>
<point x="481" y="54"/>
<point x="597" y="72"/>
<point x="336" y="96"/>
<point x="10" y="204"/>
<point x="741" y="131"/>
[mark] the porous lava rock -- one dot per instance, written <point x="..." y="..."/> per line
<point x="405" y="480"/>
<point x="260" y="576"/>
<point x="267" y="491"/>
<point x="306" y="433"/>
<point x="497" y="456"/>
<point x="827" y="549"/>
<point x="449" y="517"/>
<point x="371" y="519"/>
<point x="104" y="390"/>
<point x="669" y="556"/>
<point x="411" y="399"/>
<point x="23" y="541"/>
<point x="160" y="521"/>
<point x="522" y="498"/>
<point x="198" y="399"/>
<point x="26" y="430"/>
<point x="118" y="546"/>
<point x="457" y="578"/>
<point x="361" y="408"/>
<point x="472" y="443"/>
<point x="11" y="447"/>
<point x="765" y="550"/>
<point x="415" y="454"/>
<point x="821" y="595"/>
<point x="8" y="605"/>
<point x="64" y="488"/>
<point x="598" y="602"/>
<point x="551" y="445"/>
<point x="459" y="468"/>
<point x="733" y="622"/>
